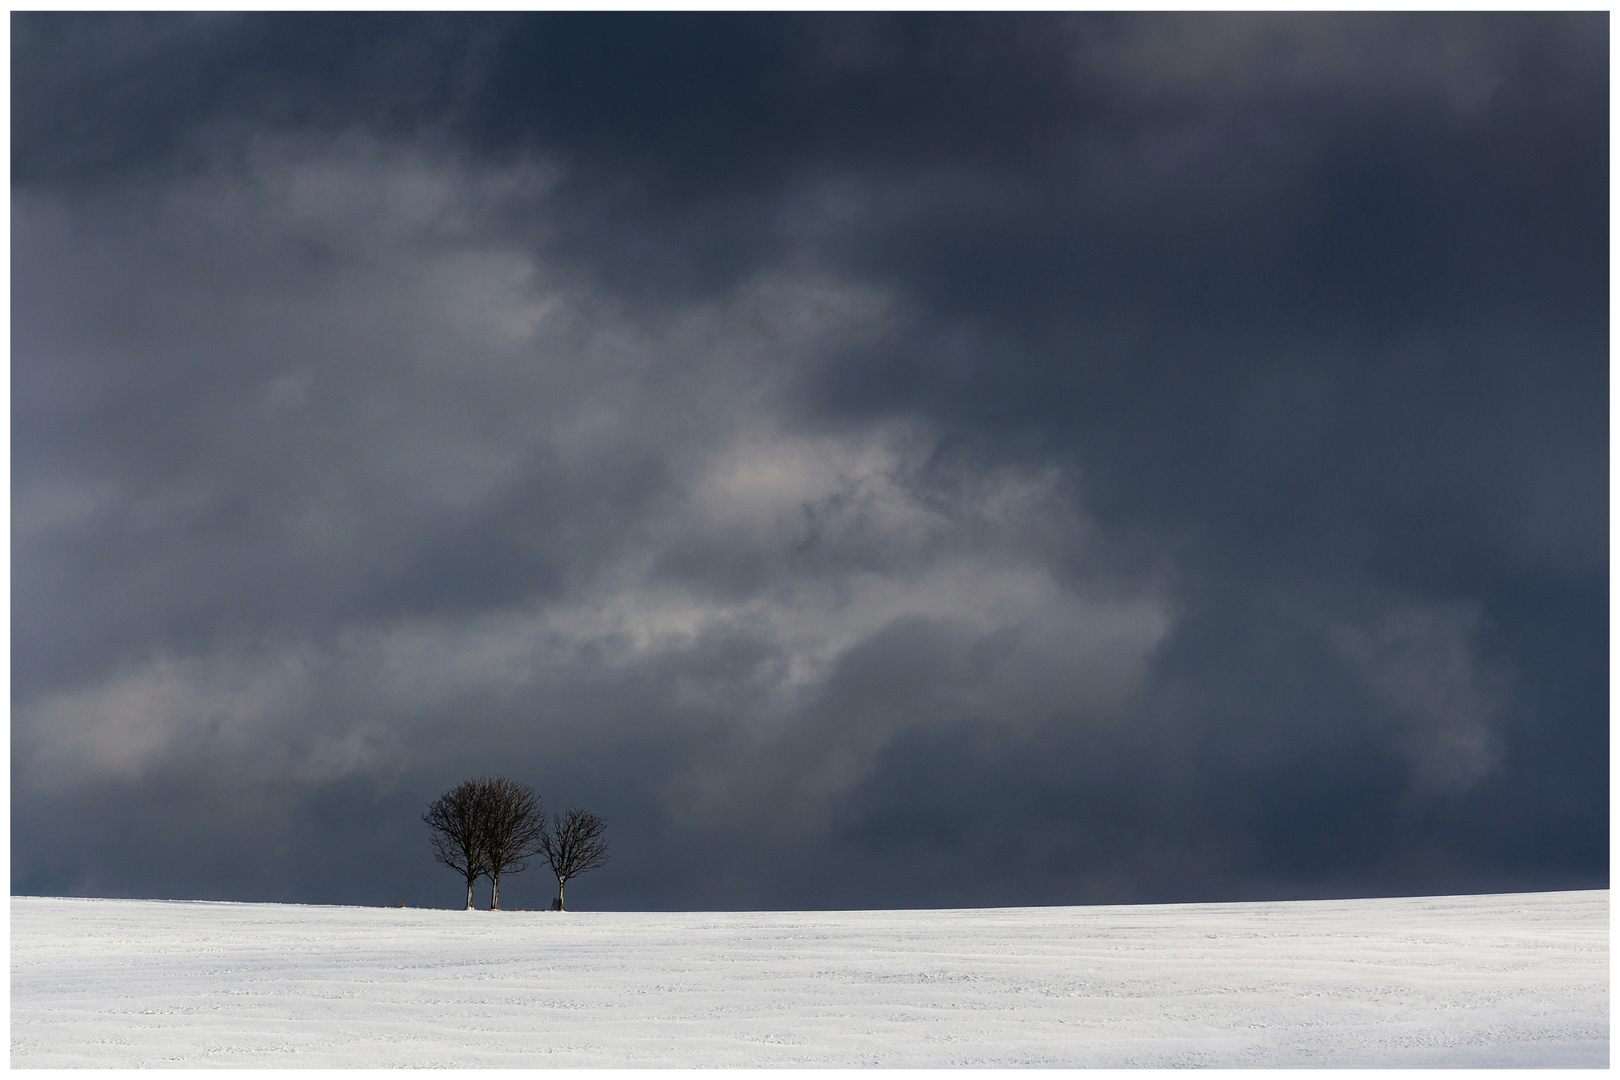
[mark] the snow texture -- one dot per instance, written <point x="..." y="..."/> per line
<point x="1513" y="980"/>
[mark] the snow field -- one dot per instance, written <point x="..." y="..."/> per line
<point x="1516" y="980"/>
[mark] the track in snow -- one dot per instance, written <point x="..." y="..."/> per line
<point x="1517" y="980"/>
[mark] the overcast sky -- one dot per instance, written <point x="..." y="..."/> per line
<point x="870" y="460"/>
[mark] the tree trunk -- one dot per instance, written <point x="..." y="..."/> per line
<point x="495" y="896"/>
<point x="469" y="893"/>
<point x="560" y="897"/>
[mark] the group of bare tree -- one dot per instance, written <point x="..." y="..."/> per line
<point x="491" y="826"/>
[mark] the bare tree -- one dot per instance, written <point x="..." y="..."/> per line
<point x="456" y="819"/>
<point x="511" y="826"/>
<point x="572" y="845"/>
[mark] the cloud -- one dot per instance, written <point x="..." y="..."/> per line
<point x="1464" y="61"/>
<point x="1159" y="456"/>
<point x="1422" y="662"/>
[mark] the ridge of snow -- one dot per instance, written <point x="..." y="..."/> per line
<point x="1496" y="980"/>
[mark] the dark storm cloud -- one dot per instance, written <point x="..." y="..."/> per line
<point x="870" y="459"/>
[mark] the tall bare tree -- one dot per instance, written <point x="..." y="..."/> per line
<point x="456" y="819"/>
<point x="572" y="845"/>
<point x="512" y="824"/>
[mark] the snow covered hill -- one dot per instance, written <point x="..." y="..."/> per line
<point x="1519" y="980"/>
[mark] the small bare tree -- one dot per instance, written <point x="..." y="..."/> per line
<point x="572" y="845"/>
<point x="512" y="824"/>
<point x="456" y="819"/>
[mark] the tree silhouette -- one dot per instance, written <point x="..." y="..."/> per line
<point x="511" y="825"/>
<point x="457" y="838"/>
<point x="572" y="845"/>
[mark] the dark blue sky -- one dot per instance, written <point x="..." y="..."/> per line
<point x="870" y="460"/>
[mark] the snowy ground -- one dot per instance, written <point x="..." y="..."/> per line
<point x="1518" y="980"/>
